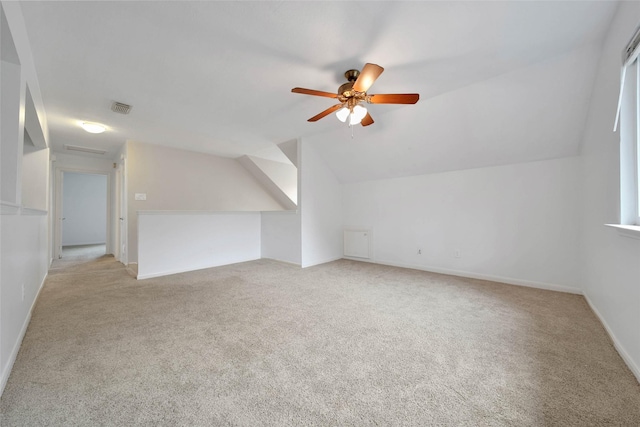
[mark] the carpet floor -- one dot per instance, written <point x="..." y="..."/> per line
<point x="84" y="251"/>
<point x="344" y="343"/>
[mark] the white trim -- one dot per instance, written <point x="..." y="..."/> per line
<point x="178" y="271"/>
<point x="32" y="211"/>
<point x="57" y="187"/>
<point x="122" y="226"/>
<point x="187" y="270"/>
<point x="9" y="208"/>
<point x="129" y="267"/>
<point x="630" y="231"/>
<point x="6" y="372"/>
<point x="159" y="212"/>
<point x="326" y="261"/>
<point x="635" y="369"/>
<point x="286" y="212"/>
<point x="629" y="56"/>
<point x="283" y="261"/>
<point x="353" y="258"/>
<point x="623" y="74"/>
<point x="480" y="276"/>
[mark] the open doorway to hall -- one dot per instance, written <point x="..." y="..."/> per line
<point x="84" y="215"/>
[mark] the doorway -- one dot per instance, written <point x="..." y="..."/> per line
<point x="84" y="215"/>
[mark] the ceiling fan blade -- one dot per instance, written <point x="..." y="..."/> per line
<point x="325" y="113"/>
<point x="367" y="76"/>
<point x="368" y="120"/>
<point x="313" y="92"/>
<point x="398" y="98"/>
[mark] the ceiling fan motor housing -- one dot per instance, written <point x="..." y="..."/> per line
<point x="346" y="89"/>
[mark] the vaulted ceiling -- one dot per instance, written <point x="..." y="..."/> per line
<point x="500" y="82"/>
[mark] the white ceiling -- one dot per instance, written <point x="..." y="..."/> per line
<point x="500" y="82"/>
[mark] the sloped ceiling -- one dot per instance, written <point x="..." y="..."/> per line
<point x="500" y="82"/>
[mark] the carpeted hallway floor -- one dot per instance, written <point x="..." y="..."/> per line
<point x="76" y="252"/>
<point x="345" y="343"/>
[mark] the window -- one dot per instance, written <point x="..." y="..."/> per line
<point x="629" y="119"/>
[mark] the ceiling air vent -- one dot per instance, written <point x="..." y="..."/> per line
<point x="121" y="108"/>
<point x="84" y="149"/>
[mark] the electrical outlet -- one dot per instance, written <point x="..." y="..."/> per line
<point x="457" y="253"/>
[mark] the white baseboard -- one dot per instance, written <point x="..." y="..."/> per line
<point x="480" y="276"/>
<point x="131" y="269"/>
<point x="186" y="270"/>
<point x="284" y="261"/>
<point x="16" y="347"/>
<point x="323" y="261"/>
<point x="616" y="343"/>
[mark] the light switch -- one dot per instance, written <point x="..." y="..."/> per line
<point x="141" y="196"/>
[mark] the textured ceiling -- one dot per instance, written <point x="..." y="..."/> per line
<point x="500" y="82"/>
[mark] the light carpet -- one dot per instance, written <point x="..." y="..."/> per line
<point x="83" y="251"/>
<point x="344" y="343"/>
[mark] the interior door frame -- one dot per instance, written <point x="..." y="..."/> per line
<point x="121" y="238"/>
<point x="59" y="188"/>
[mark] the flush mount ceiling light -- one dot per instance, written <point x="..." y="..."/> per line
<point x="93" y="127"/>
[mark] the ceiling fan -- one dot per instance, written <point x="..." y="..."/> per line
<point x="353" y="93"/>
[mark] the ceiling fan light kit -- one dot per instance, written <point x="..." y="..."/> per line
<point x="342" y="114"/>
<point x="354" y="114"/>
<point x="353" y="93"/>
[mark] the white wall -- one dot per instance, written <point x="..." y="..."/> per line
<point x="24" y="258"/>
<point x="280" y="236"/>
<point x="321" y="209"/>
<point x="281" y="232"/>
<point x="284" y="175"/>
<point x="516" y="224"/>
<point x="10" y="153"/>
<point x="183" y="180"/>
<point x="84" y="209"/>
<point x="23" y="265"/>
<point x="610" y="268"/>
<point x="35" y="178"/>
<point x="174" y="242"/>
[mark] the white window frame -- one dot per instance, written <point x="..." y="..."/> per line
<point x="630" y="160"/>
<point x="636" y="156"/>
<point x="628" y="116"/>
